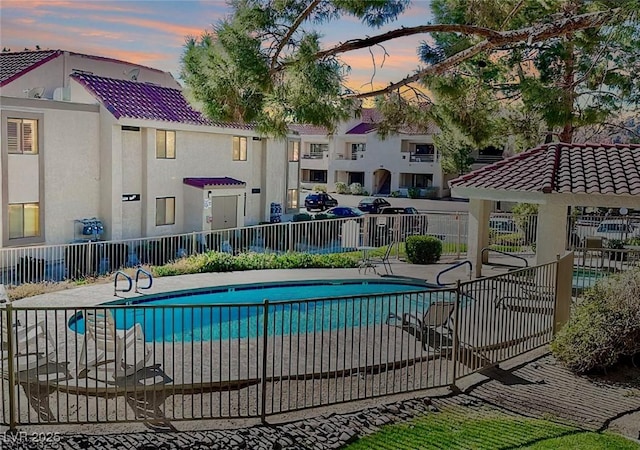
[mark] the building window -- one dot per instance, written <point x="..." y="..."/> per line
<point x="294" y="151"/>
<point x="165" y="144"/>
<point x="22" y="136"/>
<point x="318" y="176"/>
<point x="292" y="198"/>
<point x="356" y="148"/>
<point x="165" y="211"/>
<point x="316" y="151"/>
<point x="24" y="220"/>
<point x="239" y="148"/>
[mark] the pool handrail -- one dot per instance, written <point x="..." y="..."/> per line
<point x="455" y="266"/>
<point x="149" y="277"/>
<point x="115" y="283"/>
<point x="489" y="249"/>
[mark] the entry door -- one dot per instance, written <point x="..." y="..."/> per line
<point x="224" y="212"/>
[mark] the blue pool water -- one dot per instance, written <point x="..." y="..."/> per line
<point x="238" y="311"/>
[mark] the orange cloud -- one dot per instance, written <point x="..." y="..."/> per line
<point x="35" y="5"/>
<point x="156" y="25"/>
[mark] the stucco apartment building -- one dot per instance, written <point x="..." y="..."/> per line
<point x="86" y="136"/>
<point x="356" y="154"/>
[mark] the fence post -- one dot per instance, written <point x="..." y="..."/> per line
<point x="290" y="243"/>
<point x="12" y="372"/>
<point x="564" y="278"/>
<point x="456" y="329"/>
<point x="458" y="243"/>
<point x="263" y="382"/>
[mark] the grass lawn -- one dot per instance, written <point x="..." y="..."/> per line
<point x="484" y="428"/>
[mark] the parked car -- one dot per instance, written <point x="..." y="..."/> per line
<point x="503" y="225"/>
<point x="373" y="204"/>
<point x="344" y="211"/>
<point x="319" y="201"/>
<point x="617" y="229"/>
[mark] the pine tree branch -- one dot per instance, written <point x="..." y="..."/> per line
<point x="536" y="33"/>
<point x="293" y="29"/>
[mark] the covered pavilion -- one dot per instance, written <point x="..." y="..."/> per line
<point x="555" y="176"/>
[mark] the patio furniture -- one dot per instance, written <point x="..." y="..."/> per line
<point x="366" y="262"/>
<point x="384" y="260"/>
<point x="106" y="345"/>
<point x="433" y="328"/>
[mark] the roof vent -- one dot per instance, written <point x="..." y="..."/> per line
<point x="36" y="92"/>
<point x="133" y="74"/>
<point x="62" y="94"/>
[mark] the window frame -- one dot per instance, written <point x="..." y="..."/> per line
<point x="165" y="221"/>
<point x="293" y="151"/>
<point x="237" y="155"/>
<point x="35" y="140"/>
<point x="23" y="234"/>
<point x="293" y="199"/>
<point x="164" y="154"/>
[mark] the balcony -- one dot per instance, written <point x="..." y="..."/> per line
<point x="414" y="157"/>
<point x="312" y="155"/>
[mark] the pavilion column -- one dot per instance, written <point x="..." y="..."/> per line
<point x="551" y="233"/>
<point x="478" y="233"/>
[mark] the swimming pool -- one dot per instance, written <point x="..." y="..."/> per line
<point x="237" y="311"/>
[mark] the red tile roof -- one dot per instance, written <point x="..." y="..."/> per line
<point x="363" y="128"/>
<point x="605" y="169"/>
<point x="14" y="65"/>
<point x="313" y="130"/>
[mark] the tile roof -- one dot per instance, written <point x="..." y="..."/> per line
<point x="14" y="65"/>
<point x="147" y="101"/>
<point x="201" y="182"/>
<point x="604" y="169"/>
<point x="136" y="100"/>
<point x="304" y="129"/>
<point x="363" y="128"/>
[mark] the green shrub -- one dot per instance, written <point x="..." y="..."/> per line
<point x="604" y="327"/>
<point x="302" y="217"/>
<point x="321" y="216"/>
<point x="320" y="188"/>
<point x="423" y="249"/>
<point x="356" y="188"/>
<point x="414" y="192"/>
<point x="633" y="241"/>
<point x="341" y="188"/>
<point x="395" y="194"/>
<point x="224" y="262"/>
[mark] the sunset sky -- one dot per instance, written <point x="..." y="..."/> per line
<point x="153" y="32"/>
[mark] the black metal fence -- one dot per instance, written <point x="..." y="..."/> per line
<point x="142" y="362"/>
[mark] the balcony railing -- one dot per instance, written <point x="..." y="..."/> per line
<point x="421" y="158"/>
<point x="313" y="156"/>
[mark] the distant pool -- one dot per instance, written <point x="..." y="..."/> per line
<point x="237" y="311"/>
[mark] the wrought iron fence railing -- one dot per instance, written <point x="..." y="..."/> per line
<point x="140" y="361"/>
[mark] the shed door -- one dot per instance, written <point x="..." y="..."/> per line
<point x="224" y="212"/>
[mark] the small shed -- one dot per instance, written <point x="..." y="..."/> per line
<point x="554" y="176"/>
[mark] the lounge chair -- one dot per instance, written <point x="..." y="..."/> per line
<point x="125" y="349"/>
<point x="384" y="260"/>
<point x="435" y="323"/>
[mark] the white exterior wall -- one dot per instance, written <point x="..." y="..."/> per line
<point x="70" y="175"/>
<point x="55" y="73"/>
<point x="379" y="154"/>
<point x="275" y="186"/>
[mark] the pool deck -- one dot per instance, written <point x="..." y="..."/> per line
<point x="223" y="375"/>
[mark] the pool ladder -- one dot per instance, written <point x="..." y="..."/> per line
<point x="451" y="268"/>
<point x="121" y="274"/>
